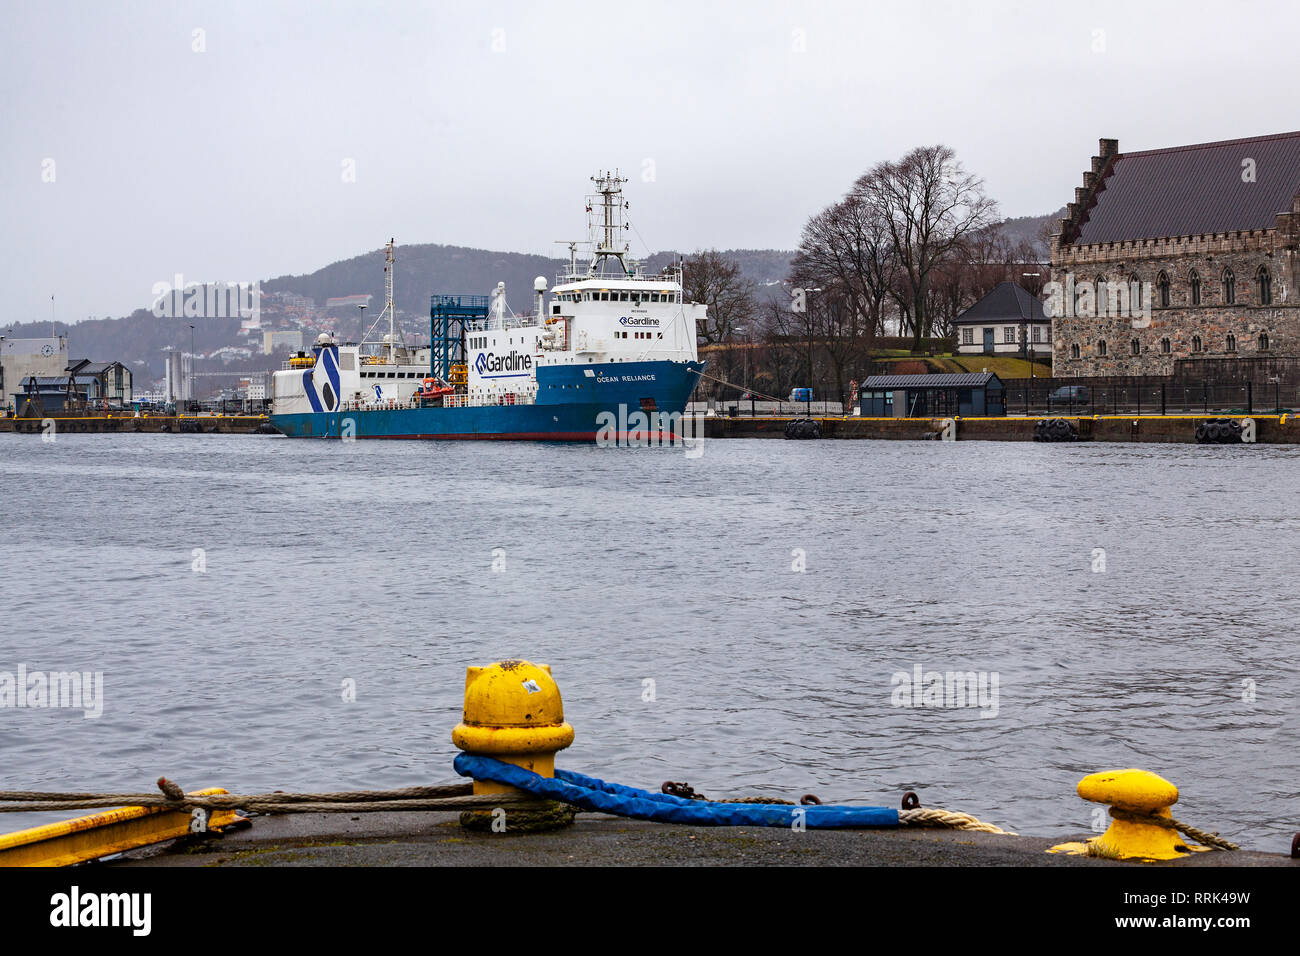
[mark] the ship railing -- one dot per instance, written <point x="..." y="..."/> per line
<point x="484" y="401"/>
<point x="507" y="322"/>
<point x="671" y="274"/>
<point x="448" y="401"/>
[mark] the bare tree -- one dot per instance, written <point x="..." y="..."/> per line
<point x="848" y="247"/>
<point x="715" y="281"/>
<point x="928" y="204"/>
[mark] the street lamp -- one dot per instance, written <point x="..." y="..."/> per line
<point x="740" y="330"/>
<point x="1029" y="349"/>
<point x="806" y="293"/>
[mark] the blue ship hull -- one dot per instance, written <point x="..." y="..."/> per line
<point x="574" y="403"/>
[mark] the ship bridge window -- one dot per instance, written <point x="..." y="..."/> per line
<point x="622" y="297"/>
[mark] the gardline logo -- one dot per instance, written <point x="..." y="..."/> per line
<point x="638" y="320"/>
<point x="514" y="362"/>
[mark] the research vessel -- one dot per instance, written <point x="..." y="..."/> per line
<point x="608" y="351"/>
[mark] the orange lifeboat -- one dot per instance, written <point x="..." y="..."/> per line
<point x="432" y="388"/>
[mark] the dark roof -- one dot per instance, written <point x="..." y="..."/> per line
<point x="59" y="381"/>
<point x="1007" y="301"/>
<point x="969" y="380"/>
<point x="1194" y="190"/>
<point x="91" y="368"/>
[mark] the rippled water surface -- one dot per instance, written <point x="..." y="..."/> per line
<point x="372" y="562"/>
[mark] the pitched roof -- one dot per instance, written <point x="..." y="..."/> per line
<point x="58" y="381"/>
<point x="1007" y="301"/>
<point x="969" y="380"/>
<point x="92" y="368"/>
<point x="1195" y="190"/>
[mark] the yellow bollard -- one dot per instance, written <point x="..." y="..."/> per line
<point x="513" y="712"/>
<point x="1131" y="792"/>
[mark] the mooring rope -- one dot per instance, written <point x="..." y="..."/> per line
<point x="458" y="796"/>
<point x="1169" y="823"/>
<point x="742" y="388"/>
<point x="588" y="794"/>
<point x="916" y="817"/>
<point x="948" y="819"/>
<point x="461" y="797"/>
<point x="165" y="785"/>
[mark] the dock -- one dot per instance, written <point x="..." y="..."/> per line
<point x="128" y="424"/>
<point x="1268" y="429"/>
<point x="1277" y="429"/>
<point x="597" y="839"/>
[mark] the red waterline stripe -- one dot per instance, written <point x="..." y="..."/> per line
<point x="524" y="436"/>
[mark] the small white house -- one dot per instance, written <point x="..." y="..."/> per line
<point x="1007" y="321"/>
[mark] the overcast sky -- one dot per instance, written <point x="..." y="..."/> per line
<point x="133" y="148"/>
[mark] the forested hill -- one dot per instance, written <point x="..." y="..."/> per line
<point x="425" y="270"/>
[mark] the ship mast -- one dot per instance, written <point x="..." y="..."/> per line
<point x="389" y="310"/>
<point x="573" y="253"/>
<point x="388" y="302"/>
<point x="605" y="221"/>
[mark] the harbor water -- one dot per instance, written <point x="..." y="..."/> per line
<point x="275" y="614"/>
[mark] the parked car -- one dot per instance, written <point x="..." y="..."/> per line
<point x="1069" y="395"/>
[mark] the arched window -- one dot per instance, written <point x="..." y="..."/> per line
<point x="1135" y="292"/>
<point x="1263" y="341"/>
<point x="1136" y="346"/>
<point x="1229" y="287"/>
<point x="1264" y="286"/>
<point x="1232" y="343"/>
<point x="1165" y="346"/>
<point x="1195" y="280"/>
<point x="1162" y="283"/>
<point x="1101" y="347"/>
<point x="1196" y="343"/>
<point x="1103" y="297"/>
<point x="1074" y="350"/>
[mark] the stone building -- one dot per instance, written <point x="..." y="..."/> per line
<point x="1171" y="256"/>
<point x="20" y="358"/>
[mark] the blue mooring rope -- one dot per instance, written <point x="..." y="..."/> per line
<point x="597" y="795"/>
